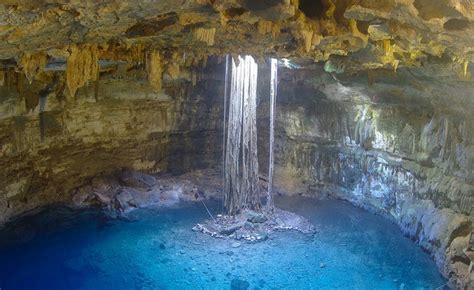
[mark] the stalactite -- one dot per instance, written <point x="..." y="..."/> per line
<point x="136" y="53"/>
<point x="173" y="70"/>
<point x="356" y="32"/>
<point x="308" y="39"/>
<point x="43" y="94"/>
<point x="266" y="27"/>
<point x="2" y="78"/>
<point x="275" y="30"/>
<point x="206" y="35"/>
<point x="387" y="47"/>
<point x="131" y="53"/>
<point x="331" y="9"/>
<point x="27" y="92"/>
<point x="223" y="19"/>
<point x="33" y="64"/>
<point x="388" y="57"/>
<point x="194" y="77"/>
<point x="155" y="70"/>
<point x="204" y="60"/>
<point x="60" y="87"/>
<point x="173" y="67"/>
<point x="96" y="90"/>
<point x="82" y="66"/>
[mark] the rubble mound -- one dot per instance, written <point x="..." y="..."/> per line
<point x="251" y="226"/>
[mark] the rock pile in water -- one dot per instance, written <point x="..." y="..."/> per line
<point x="254" y="226"/>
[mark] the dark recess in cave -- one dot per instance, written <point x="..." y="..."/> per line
<point x="312" y="8"/>
<point x="234" y="12"/>
<point x="456" y="24"/>
<point x="152" y="26"/>
<point x="258" y="5"/>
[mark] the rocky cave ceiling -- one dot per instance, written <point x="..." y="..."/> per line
<point x="350" y="35"/>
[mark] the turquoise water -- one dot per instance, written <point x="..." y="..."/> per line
<point x="61" y="248"/>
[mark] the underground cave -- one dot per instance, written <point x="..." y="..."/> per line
<point x="237" y="144"/>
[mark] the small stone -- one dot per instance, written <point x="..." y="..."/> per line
<point x="261" y="236"/>
<point x="229" y="230"/>
<point x="238" y="235"/>
<point x="379" y="32"/>
<point x="162" y="246"/>
<point x="256" y="217"/>
<point x="235" y="245"/>
<point x="322" y="265"/>
<point x="238" y="284"/>
<point x="248" y="226"/>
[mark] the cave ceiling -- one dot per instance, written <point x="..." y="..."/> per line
<point x="349" y="35"/>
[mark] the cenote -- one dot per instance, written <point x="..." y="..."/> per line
<point x="60" y="248"/>
<point x="223" y="144"/>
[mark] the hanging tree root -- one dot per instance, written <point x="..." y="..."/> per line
<point x="254" y="226"/>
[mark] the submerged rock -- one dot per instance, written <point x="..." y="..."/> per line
<point x="238" y="284"/>
<point x="235" y="245"/>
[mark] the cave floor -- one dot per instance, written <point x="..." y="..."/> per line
<point x="61" y="248"/>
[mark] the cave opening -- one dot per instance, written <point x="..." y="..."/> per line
<point x="236" y="144"/>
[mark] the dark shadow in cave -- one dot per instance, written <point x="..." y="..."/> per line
<point x="312" y="8"/>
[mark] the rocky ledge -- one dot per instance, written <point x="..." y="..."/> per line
<point x="127" y="190"/>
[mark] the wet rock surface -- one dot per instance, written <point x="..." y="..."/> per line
<point x="238" y="284"/>
<point x="129" y="190"/>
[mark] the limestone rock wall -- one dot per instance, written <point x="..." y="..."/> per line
<point x="398" y="143"/>
<point x="406" y="152"/>
<point x="53" y="145"/>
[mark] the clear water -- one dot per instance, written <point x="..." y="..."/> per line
<point x="156" y="249"/>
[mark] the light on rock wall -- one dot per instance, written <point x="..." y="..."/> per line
<point x="286" y="63"/>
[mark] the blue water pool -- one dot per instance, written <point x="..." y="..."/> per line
<point x="60" y="248"/>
